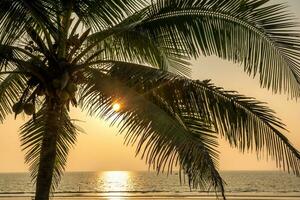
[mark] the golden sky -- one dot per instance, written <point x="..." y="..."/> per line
<point x="101" y="149"/>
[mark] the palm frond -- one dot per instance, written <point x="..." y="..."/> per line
<point x="16" y="15"/>
<point x="164" y="138"/>
<point x="245" y="122"/>
<point x="103" y="14"/>
<point x="255" y="127"/>
<point x="122" y="42"/>
<point x="263" y="37"/>
<point x="48" y="125"/>
<point x="9" y="53"/>
<point x="11" y="88"/>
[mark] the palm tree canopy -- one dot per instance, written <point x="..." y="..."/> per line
<point x="55" y="54"/>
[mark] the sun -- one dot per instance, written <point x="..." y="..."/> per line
<point x="116" y="107"/>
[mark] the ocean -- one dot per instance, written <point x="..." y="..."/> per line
<point x="128" y="183"/>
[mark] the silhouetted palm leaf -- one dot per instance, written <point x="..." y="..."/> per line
<point x="163" y="137"/>
<point x="245" y="122"/>
<point x="53" y="126"/>
<point x="17" y="15"/>
<point x="262" y="38"/>
<point x="11" y="88"/>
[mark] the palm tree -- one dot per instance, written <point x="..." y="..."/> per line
<point x="56" y="54"/>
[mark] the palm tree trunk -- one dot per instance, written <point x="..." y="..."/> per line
<point x="47" y="155"/>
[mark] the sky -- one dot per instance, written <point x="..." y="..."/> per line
<point x="101" y="147"/>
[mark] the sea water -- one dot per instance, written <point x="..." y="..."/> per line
<point x="136" y="183"/>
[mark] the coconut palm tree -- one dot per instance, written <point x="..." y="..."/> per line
<point x="94" y="54"/>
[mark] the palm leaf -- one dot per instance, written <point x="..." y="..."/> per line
<point x="162" y="137"/>
<point x="103" y="14"/>
<point x="261" y="37"/>
<point x="122" y="42"/>
<point x="11" y="89"/>
<point x="245" y="122"/>
<point x="48" y="125"/>
<point x="8" y="54"/>
<point x="17" y="15"/>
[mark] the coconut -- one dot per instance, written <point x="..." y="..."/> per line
<point x="17" y="108"/>
<point x="29" y="108"/>
<point x="64" y="80"/>
<point x="71" y="87"/>
<point x="64" y="95"/>
<point x="56" y="83"/>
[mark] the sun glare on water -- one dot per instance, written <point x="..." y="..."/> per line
<point x="116" y="183"/>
